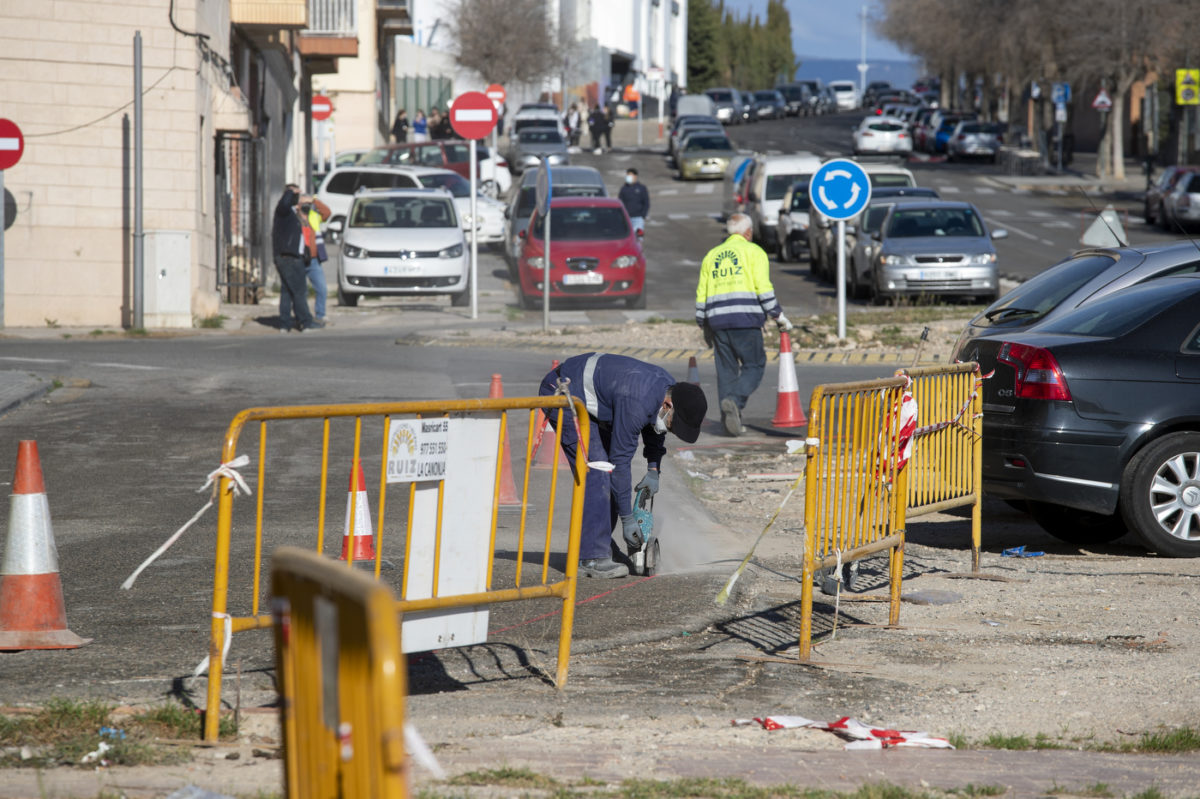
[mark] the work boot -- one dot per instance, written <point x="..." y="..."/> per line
<point x="603" y="568"/>
<point x="732" y="417"/>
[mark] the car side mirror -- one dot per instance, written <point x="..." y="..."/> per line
<point x="521" y="234"/>
<point x="335" y="225"/>
<point x="1000" y="234"/>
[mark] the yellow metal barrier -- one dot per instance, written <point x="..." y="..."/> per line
<point x="854" y="486"/>
<point x="945" y="471"/>
<point x="427" y="595"/>
<point x="342" y="680"/>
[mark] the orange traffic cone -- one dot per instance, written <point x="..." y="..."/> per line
<point x="788" y="412"/>
<point x="693" y="371"/>
<point x="32" y="613"/>
<point x="508" y="489"/>
<point x="362" y="547"/>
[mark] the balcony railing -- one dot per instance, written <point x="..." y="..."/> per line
<point x="332" y="18"/>
<point x="395" y="15"/>
<point x="269" y="13"/>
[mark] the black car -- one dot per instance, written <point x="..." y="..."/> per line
<point x="1085" y="276"/>
<point x="1093" y="418"/>
<point x="770" y="104"/>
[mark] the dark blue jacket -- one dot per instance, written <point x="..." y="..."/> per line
<point x="635" y="198"/>
<point x="286" y="231"/>
<point x="624" y="394"/>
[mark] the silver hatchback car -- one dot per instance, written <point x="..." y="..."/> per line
<point x="935" y="249"/>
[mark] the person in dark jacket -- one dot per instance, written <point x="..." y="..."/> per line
<point x="598" y="126"/>
<point x="626" y="399"/>
<point x="636" y="199"/>
<point x="291" y="251"/>
<point x="400" y="127"/>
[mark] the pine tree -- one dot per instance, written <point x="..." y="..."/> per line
<point x="704" y="61"/>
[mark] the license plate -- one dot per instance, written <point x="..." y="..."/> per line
<point x="939" y="274"/>
<point x="585" y="279"/>
<point x="402" y="269"/>
<point x="710" y="168"/>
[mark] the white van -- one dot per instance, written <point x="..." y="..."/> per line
<point x="772" y="177"/>
<point x="846" y="93"/>
<point x="695" y="105"/>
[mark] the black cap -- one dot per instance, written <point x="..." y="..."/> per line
<point x="690" y="408"/>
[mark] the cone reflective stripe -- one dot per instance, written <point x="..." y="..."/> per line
<point x="788" y="412"/>
<point x="693" y="371"/>
<point x="360" y="542"/>
<point x="508" y="489"/>
<point x="32" y="612"/>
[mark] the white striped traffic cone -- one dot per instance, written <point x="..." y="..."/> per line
<point x="32" y="612"/>
<point x="788" y="412"/>
<point x="360" y="544"/>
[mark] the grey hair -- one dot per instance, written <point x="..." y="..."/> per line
<point x="739" y="223"/>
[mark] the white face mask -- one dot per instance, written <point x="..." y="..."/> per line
<point x="629" y="178"/>
<point x="660" y="422"/>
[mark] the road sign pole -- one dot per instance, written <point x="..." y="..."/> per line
<point x="495" y="158"/>
<point x="3" y="222"/>
<point x="841" y="278"/>
<point x="546" y="275"/>
<point x="474" y="236"/>
<point x="139" y="234"/>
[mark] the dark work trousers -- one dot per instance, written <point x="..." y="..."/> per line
<point x="293" y="291"/>
<point x="741" y="361"/>
<point x="600" y="511"/>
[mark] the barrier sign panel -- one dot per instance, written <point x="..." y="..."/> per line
<point x="417" y="450"/>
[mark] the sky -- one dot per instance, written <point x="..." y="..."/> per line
<point x="827" y="28"/>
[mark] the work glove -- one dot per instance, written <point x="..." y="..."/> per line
<point x="632" y="531"/>
<point x="650" y="481"/>
<point x="784" y="324"/>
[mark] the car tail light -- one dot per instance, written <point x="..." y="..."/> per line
<point x="1037" y="374"/>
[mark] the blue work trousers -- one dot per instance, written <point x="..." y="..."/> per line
<point x="316" y="276"/>
<point x="741" y="360"/>
<point x="292" y="292"/>
<point x="600" y="512"/>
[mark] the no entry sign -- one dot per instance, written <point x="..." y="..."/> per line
<point x="12" y="143"/>
<point x="322" y="107"/>
<point x="496" y="94"/>
<point x="472" y="115"/>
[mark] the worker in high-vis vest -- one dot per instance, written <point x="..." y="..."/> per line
<point x="733" y="300"/>
<point x="626" y="400"/>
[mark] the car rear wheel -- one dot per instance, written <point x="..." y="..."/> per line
<point x="346" y="299"/>
<point x="1160" y="495"/>
<point x="1077" y="526"/>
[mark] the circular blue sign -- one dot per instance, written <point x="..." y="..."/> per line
<point x="840" y="189"/>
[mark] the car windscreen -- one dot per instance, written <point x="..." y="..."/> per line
<point x="708" y="143"/>
<point x="765" y="97"/>
<point x="1118" y="313"/>
<point x="584" y="224"/>
<point x="777" y="185"/>
<point x="525" y="124"/>
<point x="458" y="153"/>
<point x="800" y="200"/>
<point x="874" y="217"/>
<point x="721" y="97"/>
<point x="457" y="184"/>
<point x="528" y="197"/>
<point x="939" y="222"/>
<point x="888" y="181"/>
<point x="540" y="136"/>
<point x="972" y="127"/>
<point x="403" y="212"/>
<point x="1193" y="186"/>
<point x="886" y="127"/>
<point x="1044" y="292"/>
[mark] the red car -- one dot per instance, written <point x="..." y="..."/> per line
<point x="594" y="253"/>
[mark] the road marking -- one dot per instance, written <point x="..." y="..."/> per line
<point x="654" y="223"/>
<point x="32" y="360"/>
<point x="128" y="366"/>
<point x="677" y="217"/>
<point x="1000" y="212"/>
<point x="948" y="189"/>
<point x="665" y="192"/>
<point x="1058" y="223"/>
<point x="705" y="188"/>
<point x="687" y="262"/>
<point x="1047" y="242"/>
<point x="1040" y="214"/>
<point x="1016" y="230"/>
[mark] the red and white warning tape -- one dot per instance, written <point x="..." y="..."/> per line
<point x="859" y="735"/>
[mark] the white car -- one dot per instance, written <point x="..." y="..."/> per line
<point x="882" y="135"/>
<point x="846" y="93"/>
<point x="343" y="183"/>
<point x="770" y="180"/>
<point x="403" y="241"/>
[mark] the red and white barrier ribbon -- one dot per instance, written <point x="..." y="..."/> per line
<point x="858" y="734"/>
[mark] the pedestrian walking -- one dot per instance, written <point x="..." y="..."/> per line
<point x="627" y="400"/>
<point x="420" y="127"/>
<point x="597" y="122"/>
<point x="574" y="125"/>
<point x="734" y="297"/>
<point x="400" y="127"/>
<point x="290" y="251"/>
<point x="317" y="213"/>
<point x="636" y="199"/>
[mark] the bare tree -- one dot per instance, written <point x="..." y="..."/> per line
<point x="506" y="41"/>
